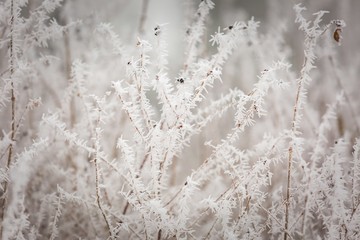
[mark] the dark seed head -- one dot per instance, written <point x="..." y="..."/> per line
<point x="180" y="80"/>
<point x="337" y="35"/>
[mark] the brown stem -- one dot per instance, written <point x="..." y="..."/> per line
<point x="287" y="201"/>
<point x="95" y="133"/>
<point x="97" y="179"/>
<point x="98" y="196"/>
<point x="13" y="99"/>
<point x="290" y="159"/>
<point x="12" y="85"/>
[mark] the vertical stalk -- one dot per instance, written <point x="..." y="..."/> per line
<point x="98" y="201"/>
<point x="287" y="201"/>
<point x="95" y="133"/>
<point x="13" y="99"/>
<point x="290" y="157"/>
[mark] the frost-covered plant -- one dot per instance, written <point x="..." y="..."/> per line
<point x="103" y="137"/>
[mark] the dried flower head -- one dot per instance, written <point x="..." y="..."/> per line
<point x="337" y="35"/>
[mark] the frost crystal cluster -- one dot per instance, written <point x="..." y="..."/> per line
<point x="212" y="124"/>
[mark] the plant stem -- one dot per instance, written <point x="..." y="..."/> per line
<point x="97" y="177"/>
<point x="287" y="202"/>
<point x="290" y="155"/>
<point x="13" y="99"/>
<point x="12" y="86"/>
<point x="98" y="196"/>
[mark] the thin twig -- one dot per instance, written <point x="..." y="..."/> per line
<point x="13" y="99"/>
<point x="276" y="220"/>
<point x="98" y="195"/>
<point x="290" y="151"/>
<point x="97" y="176"/>
<point x="212" y="227"/>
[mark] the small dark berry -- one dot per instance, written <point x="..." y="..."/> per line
<point x="180" y="80"/>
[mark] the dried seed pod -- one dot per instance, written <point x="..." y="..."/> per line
<point x="180" y="80"/>
<point x="337" y="35"/>
<point x="157" y="30"/>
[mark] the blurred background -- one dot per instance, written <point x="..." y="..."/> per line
<point x="176" y="15"/>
